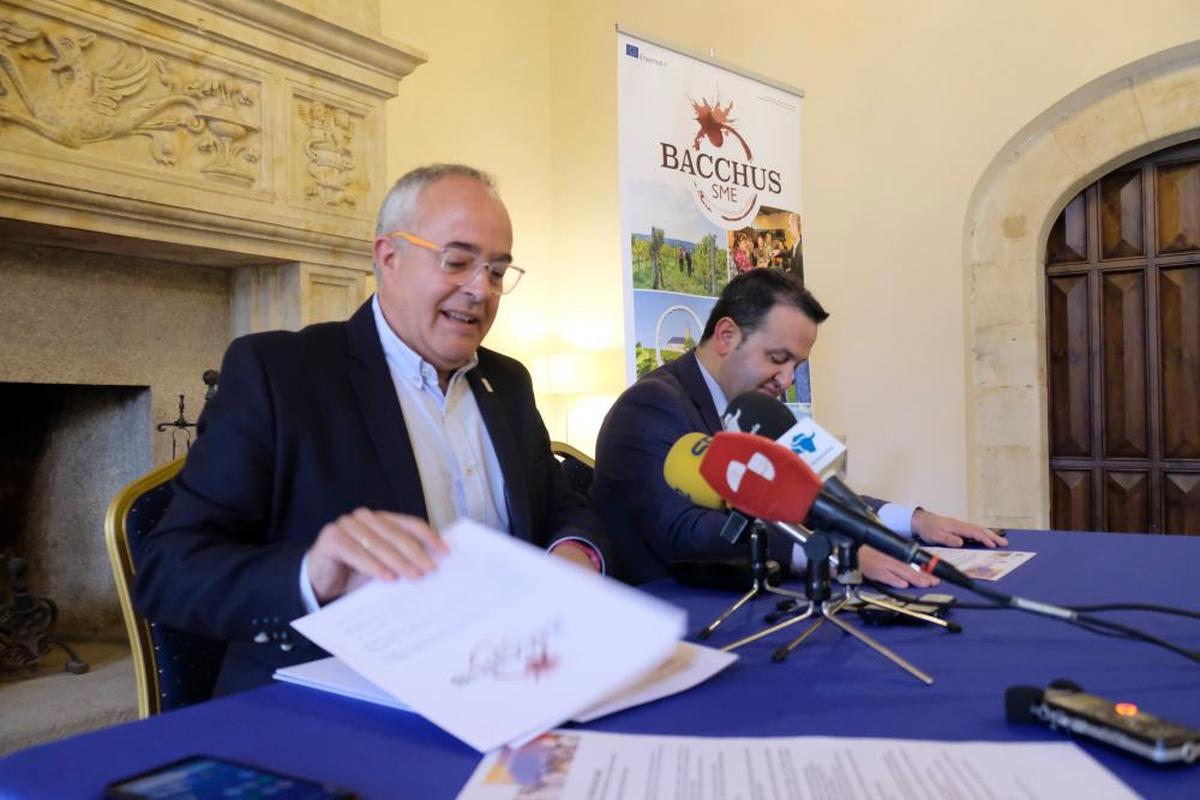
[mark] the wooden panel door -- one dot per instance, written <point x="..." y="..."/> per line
<point x="1123" y="350"/>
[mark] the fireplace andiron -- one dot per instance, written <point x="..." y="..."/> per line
<point x="27" y="626"/>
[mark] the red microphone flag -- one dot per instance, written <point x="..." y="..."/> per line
<point x="759" y="477"/>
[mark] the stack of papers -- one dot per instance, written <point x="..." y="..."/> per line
<point x="498" y="644"/>
<point x="690" y="665"/>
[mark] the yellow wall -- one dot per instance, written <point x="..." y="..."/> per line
<point x="906" y="105"/>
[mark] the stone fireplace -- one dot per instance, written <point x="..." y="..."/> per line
<point x="97" y="349"/>
<point x="173" y="173"/>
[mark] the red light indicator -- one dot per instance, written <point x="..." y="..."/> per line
<point x="1126" y="709"/>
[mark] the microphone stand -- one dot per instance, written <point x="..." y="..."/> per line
<point x="759" y="584"/>
<point x="850" y="577"/>
<point x="821" y="604"/>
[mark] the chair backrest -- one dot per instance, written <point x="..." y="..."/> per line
<point x="579" y="466"/>
<point x="173" y="668"/>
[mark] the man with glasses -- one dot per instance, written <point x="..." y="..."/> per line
<point x="334" y="455"/>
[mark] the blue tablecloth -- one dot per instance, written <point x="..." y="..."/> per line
<point x="832" y="685"/>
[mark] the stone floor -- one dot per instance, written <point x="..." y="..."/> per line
<point x="54" y="704"/>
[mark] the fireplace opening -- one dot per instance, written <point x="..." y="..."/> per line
<point x="65" y="452"/>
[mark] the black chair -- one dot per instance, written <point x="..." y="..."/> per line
<point x="173" y="668"/>
<point x="580" y="467"/>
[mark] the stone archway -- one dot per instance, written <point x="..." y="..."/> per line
<point x="1142" y="107"/>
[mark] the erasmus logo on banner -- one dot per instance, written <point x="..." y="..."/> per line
<point x="719" y="161"/>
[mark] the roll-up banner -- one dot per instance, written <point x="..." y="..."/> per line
<point x="710" y="187"/>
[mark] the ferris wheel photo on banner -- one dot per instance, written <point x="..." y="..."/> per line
<point x="710" y="188"/>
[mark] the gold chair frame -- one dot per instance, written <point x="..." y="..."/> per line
<point x="116" y="538"/>
<point x="145" y="667"/>
<point x="564" y="449"/>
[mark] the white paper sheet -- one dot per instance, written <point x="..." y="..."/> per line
<point x="981" y="564"/>
<point x="564" y="765"/>
<point x="689" y="665"/>
<point x="331" y="675"/>
<point x="501" y="641"/>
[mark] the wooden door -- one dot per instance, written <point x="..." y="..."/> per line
<point x="1123" y="350"/>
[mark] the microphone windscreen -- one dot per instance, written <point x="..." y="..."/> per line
<point x="681" y="470"/>
<point x="754" y="412"/>
<point x="759" y="477"/>
<point x="1018" y="702"/>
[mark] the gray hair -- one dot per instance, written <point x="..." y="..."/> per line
<point x="401" y="205"/>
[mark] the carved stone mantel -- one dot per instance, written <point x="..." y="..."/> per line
<point x="239" y="133"/>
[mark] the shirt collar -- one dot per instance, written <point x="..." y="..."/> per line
<point x="714" y="388"/>
<point x="406" y="361"/>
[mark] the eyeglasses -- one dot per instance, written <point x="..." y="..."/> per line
<point x="461" y="264"/>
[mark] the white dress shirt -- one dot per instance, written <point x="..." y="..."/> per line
<point x="460" y="473"/>
<point x="456" y="460"/>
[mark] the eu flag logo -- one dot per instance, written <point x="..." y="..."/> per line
<point x="631" y="50"/>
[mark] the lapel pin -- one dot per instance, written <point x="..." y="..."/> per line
<point x="487" y="385"/>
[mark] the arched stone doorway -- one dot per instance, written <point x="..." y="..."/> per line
<point x="1122" y="116"/>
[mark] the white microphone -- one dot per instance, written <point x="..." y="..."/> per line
<point x="754" y="412"/>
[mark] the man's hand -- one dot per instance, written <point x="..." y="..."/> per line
<point x="895" y="573"/>
<point x="936" y="529"/>
<point x="365" y="544"/>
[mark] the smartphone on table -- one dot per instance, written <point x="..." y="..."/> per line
<point x="205" y="777"/>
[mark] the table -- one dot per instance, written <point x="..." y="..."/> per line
<point x="832" y="685"/>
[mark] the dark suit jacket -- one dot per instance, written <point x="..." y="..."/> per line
<point x="307" y="427"/>
<point x="649" y="523"/>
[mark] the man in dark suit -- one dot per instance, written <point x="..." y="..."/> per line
<point x="332" y="456"/>
<point x="762" y="326"/>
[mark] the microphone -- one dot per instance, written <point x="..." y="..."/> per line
<point x="755" y="412"/>
<point x="759" y="477"/>
<point x="766" y="480"/>
<point x="681" y="471"/>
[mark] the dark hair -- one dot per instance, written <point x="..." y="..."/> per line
<point x="749" y="297"/>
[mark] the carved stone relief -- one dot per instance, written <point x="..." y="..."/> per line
<point x="80" y="89"/>
<point x="332" y="152"/>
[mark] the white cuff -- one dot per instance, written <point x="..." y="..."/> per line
<point x="897" y="517"/>
<point x="306" y="590"/>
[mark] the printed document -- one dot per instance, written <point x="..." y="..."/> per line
<point x="501" y="642"/>
<point x="982" y="565"/>
<point x="565" y="765"/>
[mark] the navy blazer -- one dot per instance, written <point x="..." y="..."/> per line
<point x="649" y="523"/>
<point x="307" y="427"/>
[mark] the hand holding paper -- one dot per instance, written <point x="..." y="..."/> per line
<point x="365" y="544"/>
<point x="500" y="642"/>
